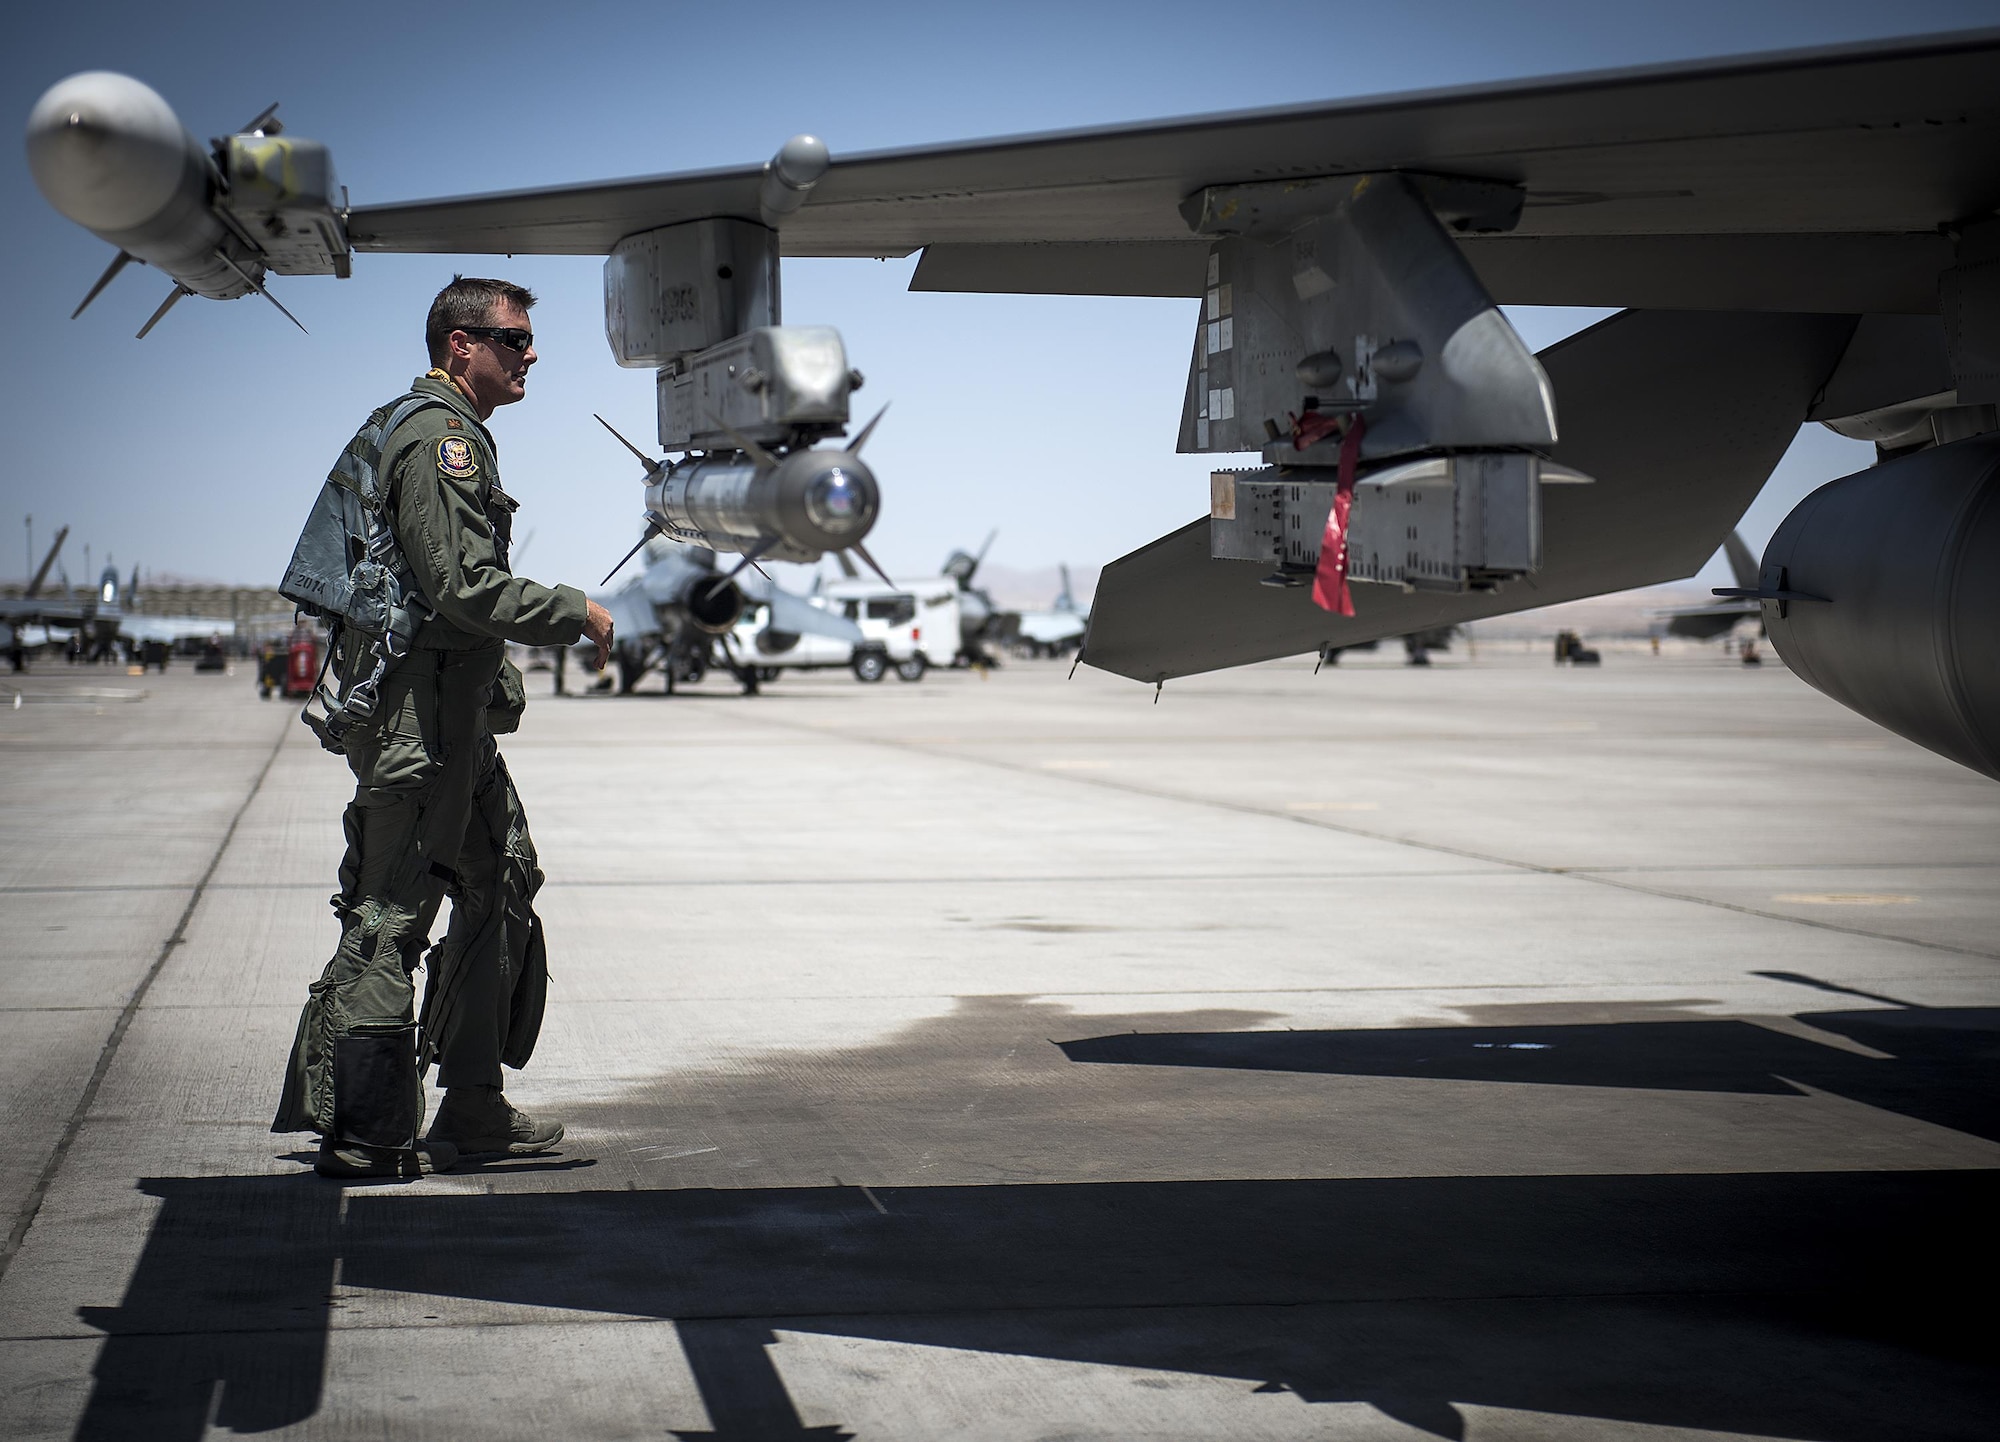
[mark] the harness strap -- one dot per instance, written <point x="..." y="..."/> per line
<point x="357" y="702"/>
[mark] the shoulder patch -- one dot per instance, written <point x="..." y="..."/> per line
<point x="456" y="458"/>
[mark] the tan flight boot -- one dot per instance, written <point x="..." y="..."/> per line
<point x="480" y="1121"/>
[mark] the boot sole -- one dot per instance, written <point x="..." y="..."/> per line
<point x="501" y="1146"/>
<point x="430" y="1163"/>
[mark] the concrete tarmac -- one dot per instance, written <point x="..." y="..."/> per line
<point x="1488" y="1051"/>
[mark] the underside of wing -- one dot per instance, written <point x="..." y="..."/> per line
<point x="1678" y="417"/>
<point x="1805" y="181"/>
<point x="32" y="611"/>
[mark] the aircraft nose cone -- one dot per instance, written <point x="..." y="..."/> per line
<point x="106" y="150"/>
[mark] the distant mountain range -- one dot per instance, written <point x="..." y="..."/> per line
<point x="1035" y="588"/>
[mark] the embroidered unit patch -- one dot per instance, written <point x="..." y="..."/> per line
<point x="456" y="459"/>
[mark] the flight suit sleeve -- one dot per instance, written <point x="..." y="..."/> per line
<point x="449" y="545"/>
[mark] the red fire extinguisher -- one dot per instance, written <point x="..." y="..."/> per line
<point x="301" y="662"/>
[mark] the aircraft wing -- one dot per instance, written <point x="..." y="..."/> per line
<point x="797" y="615"/>
<point x="47" y="612"/>
<point x="1705" y="623"/>
<point x="1808" y="180"/>
<point x="1665" y="490"/>
<point x="1050" y="628"/>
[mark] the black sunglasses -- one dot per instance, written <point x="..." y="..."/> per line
<point x="511" y="336"/>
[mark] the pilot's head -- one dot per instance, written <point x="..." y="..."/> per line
<point x="478" y="334"/>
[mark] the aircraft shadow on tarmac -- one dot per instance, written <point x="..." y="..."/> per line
<point x="1843" y="1306"/>
<point x="1939" y="1065"/>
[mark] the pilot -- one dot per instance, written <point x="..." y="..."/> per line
<point x="434" y="811"/>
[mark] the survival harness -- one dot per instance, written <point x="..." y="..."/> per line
<point x="348" y="570"/>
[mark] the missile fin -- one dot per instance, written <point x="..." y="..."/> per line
<point x="118" y="263"/>
<point x="862" y="551"/>
<point x="257" y="285"/>
<point x="166" y="305"/>
<point x="265" y="123"/>
<point x="652" y="466"/>
<point x="653" y="528"/>
<point x="867" y="431"/>
<point x="282" y="311"/>
<point x="749" y="560"/>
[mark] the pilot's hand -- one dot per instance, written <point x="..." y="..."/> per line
<point x="597" y="627"/>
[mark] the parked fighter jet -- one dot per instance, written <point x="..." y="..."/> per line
<point x="1417" y="646"/>
<point x="1054" y="632"/>
<point x="22" y="620"/>
<point x="676" y="616"/>
<point x="107" y="616"/>
<point x="980" y="622"/>
<point x="1705" y="623"/>
<point x="1802" y="236"/>
<point x="97" y="617"/>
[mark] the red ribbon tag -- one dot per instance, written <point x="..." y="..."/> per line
<point x="1330" y="580"/>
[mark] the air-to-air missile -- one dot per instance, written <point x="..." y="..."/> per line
<point x="791" y="506"/>
<point x="744" y="399"/>
<point x="111" y="155"/>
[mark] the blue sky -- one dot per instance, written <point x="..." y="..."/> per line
<point x="198" y="450"/>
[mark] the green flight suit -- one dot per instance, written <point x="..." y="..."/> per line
<point x="434" y="810"/>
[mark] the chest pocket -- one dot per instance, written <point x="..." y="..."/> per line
<point x="500" y="508"/>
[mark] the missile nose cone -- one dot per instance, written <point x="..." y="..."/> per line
<point x="827" y="500"/>
<point x="106" y="150"/>
<point x="841" y="499"/>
